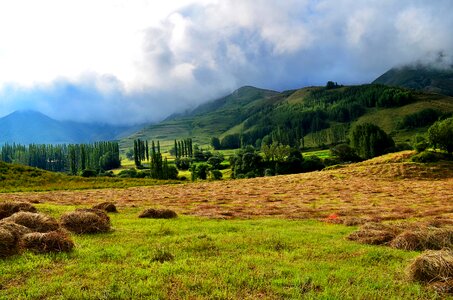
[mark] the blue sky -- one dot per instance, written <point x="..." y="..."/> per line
<point x="120" y="61"/>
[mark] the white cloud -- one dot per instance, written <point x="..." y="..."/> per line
<point x="142" y="60"/>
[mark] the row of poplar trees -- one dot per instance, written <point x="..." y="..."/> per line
<point x="72" y="158"/>
<point x="158" y="166"/>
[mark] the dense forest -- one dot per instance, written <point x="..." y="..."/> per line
<point x="72" y="158"/>
<point x="324" y="112"/>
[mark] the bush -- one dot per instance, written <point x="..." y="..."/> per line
<point x="312" y="163"/>
<point x="129" y="173"/>
<point x="183" y="163"/>
<point x="269" y="172"/>
<point x="441" y="135"/>
<point x="216" y="174"/>
<point x="425" y="157"/>
<point x="88" y="173"/>
<point x="421" y="146"/>
<point x="368" y="140"/>
<point x="345" y="153"/>
<point x="158" y="214"/>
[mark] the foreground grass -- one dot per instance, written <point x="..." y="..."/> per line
<point x="211" y="259"/>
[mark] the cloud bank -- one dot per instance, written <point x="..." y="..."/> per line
<point x="118" y="62"/>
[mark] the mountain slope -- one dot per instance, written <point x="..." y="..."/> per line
<point x="316" y="115"/>
<point x="26" y="127"/>
<point x="209" y="119"/>
<point x="420" y="78"/>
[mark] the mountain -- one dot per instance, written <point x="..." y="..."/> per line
<point x="420" y="77"/>
<point x="207" y="120"/>
<point x="26" y="127"/>
<point x="314" y="116"/>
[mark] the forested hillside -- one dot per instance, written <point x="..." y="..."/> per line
<point x="308" y="117"/>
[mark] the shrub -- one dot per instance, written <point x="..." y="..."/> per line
<point x="368" y="140"/>
<point x="425" y="157"/>
<point x="86" y="221"/>
<point x="54" y="241"/>
<point x="421" y="146"/>
<point x="88" y="173"/>
<point x="441" y="135"/>
<point x="269" y="172"/>
<point x="129" y="173"/>
<point x="9" y="208"/>
<point x="34" y="221"/>
<point x="345" y="153"/>
<point x="106" y="206"/>
<point x="432" y="266"/>
<point x="216" y="174"/>
<point x="312" y="163"/>
<point x="158" y="214"/>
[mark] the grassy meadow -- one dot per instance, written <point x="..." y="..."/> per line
<point x="266" y="238"/>
<point x="199" y="258"/>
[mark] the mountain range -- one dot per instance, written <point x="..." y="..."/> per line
<point x="28" y="127"/>
<point x="241" y="112"/>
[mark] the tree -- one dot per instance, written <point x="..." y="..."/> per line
<point x="368" y="140"/>
<point x="215" y="143"/>
<point x="440" y="135"/>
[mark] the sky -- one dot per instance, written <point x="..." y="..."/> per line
<point x="136" y="61"/>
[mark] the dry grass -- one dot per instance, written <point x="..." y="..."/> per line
<point x="374" y="234"/>
<point x="54" y="241"/>
<point x="106" y="206"/>
<point x="158" y="214"/>
<point x="9" y="208"/>
<point x="35" y="221"/>
<point x="86" y="221"/>
<point x="381" y="189"/>
<point x="432" y="266"/>
<point x="8" y="243"/>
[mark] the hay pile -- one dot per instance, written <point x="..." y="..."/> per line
<point x="8" y="243"/>
<point x="375" y="234"/>
<point x="35" y="221"/>
<point x="86" y="221"/>
<point x="54" y="241"/>
<point x="428" y="238"/>
<point x="158" y="214"/>
<point x="106" y="206"/>
<point x="432" y="266"/>
<point x="9" y="208"/>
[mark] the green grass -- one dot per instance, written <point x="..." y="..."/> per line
<point x="188" y="258"/>
<point x="18" y="178"/>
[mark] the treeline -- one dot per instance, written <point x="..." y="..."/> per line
<point x="73" y="158"/>
<point x="425" y="117"/>
<point x="289" y="124"/>
<point x="159" y="167"/>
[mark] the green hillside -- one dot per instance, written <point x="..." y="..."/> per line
<point x="308" y="117"/>
<point x="420" y="78"/>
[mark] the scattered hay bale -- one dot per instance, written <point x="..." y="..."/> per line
<point x="9" y="208"/>
<point x="54" y="241"/>
<point x="432" y="266"/>
<point x="407" y="240"/>
<point x="35" y="221"/>
<point x="443" y="287"/>
<point x="8" y="243"/>
<point x="16" y="229"/>
<point x="86" y="221"/>
<point x="353" y="221"/>
<point x="374" y="234"/>
<point x="440" y="222"/>
<point x="427" y="238"/>
<point x="158" y="214"/>
<point x="98" y="212"/>
<point x="106" y="206"/>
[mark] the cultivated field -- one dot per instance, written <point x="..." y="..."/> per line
<point x="268" y="238"/>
